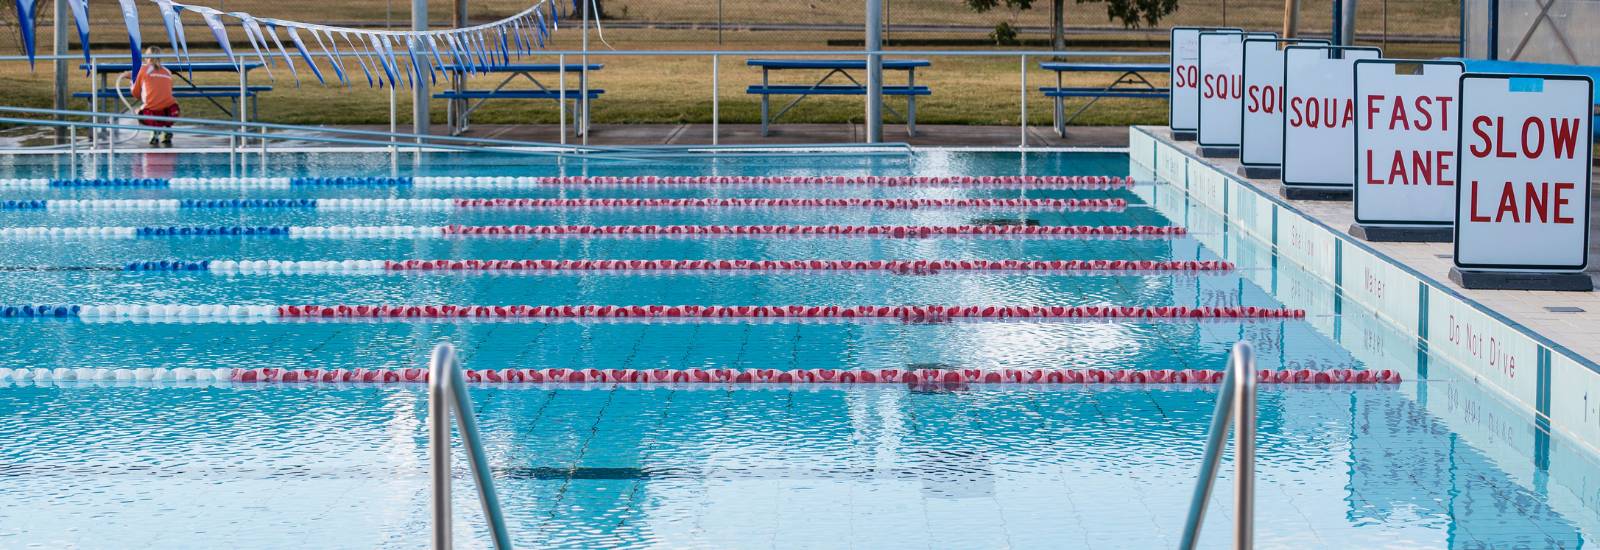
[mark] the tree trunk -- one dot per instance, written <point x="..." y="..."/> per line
<point x="1058" y="33"/>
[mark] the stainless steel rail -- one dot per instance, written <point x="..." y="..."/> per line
<point x="1236" y="402"/>
<point x="447" y="389"/>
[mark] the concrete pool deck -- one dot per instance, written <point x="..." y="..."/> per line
<point x="1577" y="331"/>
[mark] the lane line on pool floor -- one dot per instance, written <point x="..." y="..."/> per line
<point x="1065" y="205"/>
<point x="724" y="378"/>
<point x="905" y="267"/>
<point x="994" y="182"/>
<point x="808" y="231"/>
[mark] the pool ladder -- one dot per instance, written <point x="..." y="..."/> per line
<point x="1236" y="402"/>
<point x="447" y="389"/>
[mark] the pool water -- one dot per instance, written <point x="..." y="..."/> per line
<point x="1434" y="462"/>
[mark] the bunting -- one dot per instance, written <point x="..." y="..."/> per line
<point x="399" y="58"/>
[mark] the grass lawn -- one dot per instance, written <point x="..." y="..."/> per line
<point x="665" y="89"/>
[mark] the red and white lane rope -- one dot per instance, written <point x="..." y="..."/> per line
<point x="1099" y="205"/>
<point x="930" y="313"/>
<point x="890" y="231"/>
<point x="890" y="266"/>
<point x="701" y="376"/>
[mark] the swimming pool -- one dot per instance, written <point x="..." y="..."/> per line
<point x="1430" y="462"/>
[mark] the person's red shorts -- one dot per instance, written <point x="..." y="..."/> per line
<point x="169" y="111"/>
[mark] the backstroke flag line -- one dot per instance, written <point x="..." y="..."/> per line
<point x="402" y="56"/>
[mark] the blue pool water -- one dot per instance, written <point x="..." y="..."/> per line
<point x="1434" y="462"/>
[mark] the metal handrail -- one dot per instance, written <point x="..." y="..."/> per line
<point x="1236" y="402"/>
<point x="447" y="389"/>
<point x="545" y="149"/>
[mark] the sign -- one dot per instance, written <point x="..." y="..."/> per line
<point x="1221" y="86"/>
<point x="1406" y="141"/>
<point x="1522" y="193"/>
<point x="1261" y="116"/>
<point x="1183" y="109"/>
<point x="1320" y="116"/>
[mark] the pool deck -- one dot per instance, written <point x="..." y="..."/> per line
<point x="1579" y="332"/>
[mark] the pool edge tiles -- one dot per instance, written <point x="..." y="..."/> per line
<point x="1556" y="385"/>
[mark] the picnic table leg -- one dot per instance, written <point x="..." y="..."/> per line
<point x="1060" y="117"/>
<point x="911" y="102"/>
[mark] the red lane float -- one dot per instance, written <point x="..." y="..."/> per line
<point x="893" y="204"/>
<point x="892" y="266"/>
<point x="885" y="231"/>
<point x="932" y="313"/>
<point x="1083" y="182"/>
<point x="817" y="376"/>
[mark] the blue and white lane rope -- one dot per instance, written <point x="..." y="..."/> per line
<point x="1093" y="205"/>
<point x="290" y="267"/>
<point x="503" y="182"/>
<point x="681" y="231"/>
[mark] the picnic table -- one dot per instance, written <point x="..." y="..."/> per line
<point x="463" y="101"/>
<point x="1130" y="83"/>
<point x="836" y="66"/>
<point x="106" y="93"/>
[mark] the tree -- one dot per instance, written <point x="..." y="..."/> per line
<point x="1131" y="12"/>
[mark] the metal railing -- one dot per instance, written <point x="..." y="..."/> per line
<point x="1236" y="405"/>
<point x="714" y="56"/>
<point x="447" y="390"/>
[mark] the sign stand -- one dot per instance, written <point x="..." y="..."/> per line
<point x="1183" y="108"/>
<point x="1221" y="92"/>
<point x="1522" y="197"/>
<point x="1319" y="124"/>
<point x="1406" y="136"/>
<point x="1261" y="116"/>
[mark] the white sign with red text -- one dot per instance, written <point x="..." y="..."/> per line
<point x="1261" y="124"/>
<point x="1406" y="141"/>
<point x="1183" y="108"/>
<point x="1319" y="124"/>
<point x="1522" y="195"/>
<point x="1222" y="86"/>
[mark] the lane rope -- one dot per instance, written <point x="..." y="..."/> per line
<point x="1081" y="205"/>
<point x="409" y="231"/>
<point x="480" y="182"/>
<point x="691" y="377"/>
<point x="890" y="266"/>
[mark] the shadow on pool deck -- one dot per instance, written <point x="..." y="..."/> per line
<point x="786" y="134"/>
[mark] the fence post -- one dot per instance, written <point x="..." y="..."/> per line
<point x="1024" y="119"/>
<point x="716" y="66"/>
<point x="60" y="49"/>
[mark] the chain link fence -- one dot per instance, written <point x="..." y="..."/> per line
<point x="1410" y="28"/>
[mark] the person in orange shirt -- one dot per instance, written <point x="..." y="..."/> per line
<point x="154" y="88"/>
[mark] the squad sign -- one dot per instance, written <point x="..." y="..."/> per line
<point x="1406" y="141"/>
<point x="1320" y="117"/>
<point x="1262" y="103"/>
<point x="1522" y="180"/>
<point x="1221" y="86"/>
<point x="1183" y="109"/>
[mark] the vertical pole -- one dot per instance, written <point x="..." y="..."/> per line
<point x="72" y="141"/>
<point x="421" y="90"/>
<point x="1347" y="22"/>
<point x="715" y="111"/>
<point x="561" y="99"/>
<point x="583" y="78"/>
<point x="874" y="71"/>
<point x="59" y="48"/>
<point x="1024" y="118"/>
<point x="94" y="104"/>
<point x="1291" y="18"/>
<point x="719" y="22"/>
<point x="394" y="152"/>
